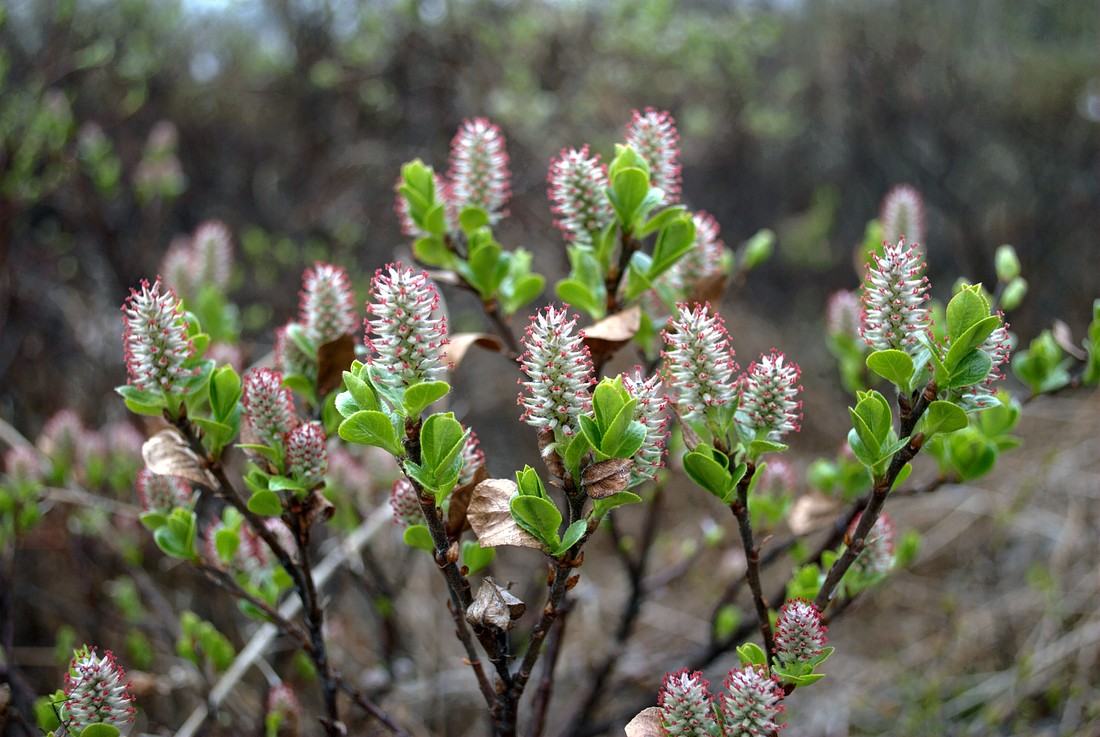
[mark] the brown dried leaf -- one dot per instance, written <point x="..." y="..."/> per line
<point x="811" y="512"/>
<point x="550" y="456"/>
<point x="601" y="480"/>
<point x="494" y="606"/>
<point x="460" y="501"/>
<point x="490" y="516"/>
<point x="1063" y="336"/>
<point x="333" y="359"/>
<point x="709" y="289"/>
<point x="647" y="724"/>
<point x="691" y="440"/>
<point x="318" y="508"/>
<point x="613" y="332"/>
<point x="167" y="454"/>
<point x="455" y="351"/>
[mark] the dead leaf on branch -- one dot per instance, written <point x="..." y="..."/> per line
<point x="457" y="523"/>
<point x="455" y="350"/>
<point x="613" y="332"/>
<point x="490" y="516"/>
<point x="811" y="512"/>
<point x="646" y="724"/>
<point x="495" y="606"/>
<point x="167" y="454"/>
<point x="549" y="451"/>
<point x="601" y="480"/>
<point x="333" y="359"/>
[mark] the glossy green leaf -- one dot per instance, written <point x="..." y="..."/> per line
<point x="143" y="402"/>
<point x="708" y="473"/>
<point x="944" y="417"/>
<point x="629" y="187"/>
<point x="580" y="296"/>
<point x="572" y="534"/>
<point x="419" y="396"/>
<point x="752" y="654"/>
<point x="538" y="516"/>
<point x="602" y="506"/>
<point x="973" y="368"/>
<point x="892" y="365"/>
<point x="371" y="428"/>
<point x="225" y="392"/>
<point x="974" y="336"/>
<point x="442" y="438"/>
<point x="966" y="309"/>
<point x="674" y="240"/>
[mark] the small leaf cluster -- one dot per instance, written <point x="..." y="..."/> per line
<point x="203" y="644"/>
<point x="497" y="276"/>
<point x="535" y="512"/>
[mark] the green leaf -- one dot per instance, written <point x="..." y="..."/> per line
<point x="435" y="219"/>
<point x="971" y="339"/>
<point x="637" y="275"/>
<point x="866" y="435"/>
<point x="804" y="680"/>
<point x="862" y="453"/>
<point x="442" y="439"/>
<point x="433" y="252"/>
<point x="472" y="218"/>
<point x="974" y="367"/>
<point x="475" y="557"/>
<point x="143" y="402"/>
<point x="487" y="268"/>
<point x="708" y="473"/>
<point x="538" y="516"/>
<point x="417" y="536"/>
<point x="529" y="484"/>
<point x="674" y="240"/>
<point x="419" y="396"/>
<point x="758" y="448"/>
<point x="226" y="542"/>
<point x="371" y="428"/>
<point x="284" y="483"/>
<point x="521" y="291"/>
<point x="752" y="654"/>
<point x="572" y="534"/>
<point x="153" y="520"/>
<point x="944" y="417"/>
<point x="902" y="475"/>
<point x="607" y="400"/>
<point x="265" y="503"/>
<point x="301" y="385"/>
<point x="361" y="391"/>
<point x="894" y="366"/>
<point x="602" y="506"/>
<point x="574" y="452"/>
<point x="580" y="296"/>
<point x="630" y="441"/>
<point x="346" y="404"/>
<point x="659" y="220"/>
<point x="966" y="309"/>
<point x="99" y="729"/>
<point x="216" y="434"/>
<point x="225" y="392"/>
<point x="591" y="431"/>
<point x="629" y="187"/>
<point x="757" y="249"/>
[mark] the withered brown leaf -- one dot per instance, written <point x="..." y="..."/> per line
<point x="494" y="606"/>
<point x="167" y="454"/>
<point x="455" y="350"/>
<point x="811" y="512"/>
<point x="490" y="516"/>
<point x="333" y="359"/>
<point x="601" y="480"/>
<point x="613" y="332"/>
<point x="460" y="502"/>
<point x="646" y="724"/>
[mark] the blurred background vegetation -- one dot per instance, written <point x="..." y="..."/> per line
<point x="124" y="123"/>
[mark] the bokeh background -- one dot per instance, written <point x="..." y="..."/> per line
<point x="124" y="123"/>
